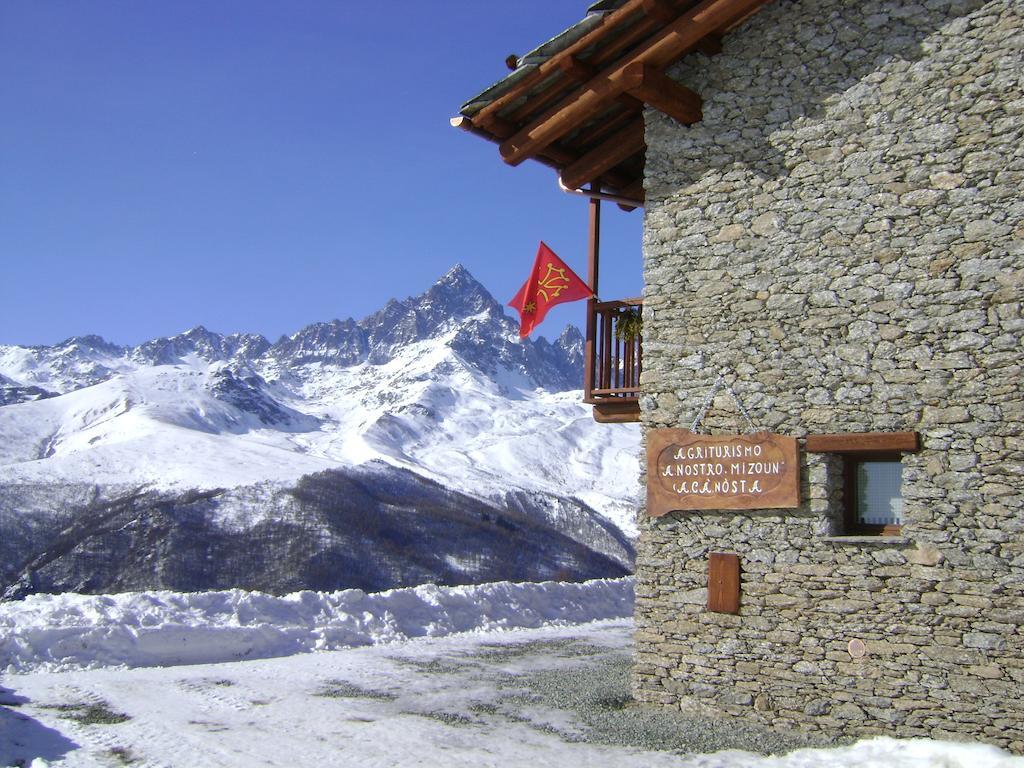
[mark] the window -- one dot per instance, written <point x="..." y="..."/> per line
<point x="872" y="478"/>
<point x="872" y="494"/>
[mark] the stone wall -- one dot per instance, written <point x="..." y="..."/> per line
<point x="844" y="234"/>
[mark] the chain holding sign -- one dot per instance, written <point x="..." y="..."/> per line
<point x="709" y="398"/>
<point x="687" y="471"/>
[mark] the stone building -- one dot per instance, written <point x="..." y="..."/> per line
<point x="833" y="252"/>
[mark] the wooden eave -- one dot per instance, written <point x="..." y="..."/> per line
<point x="580" y="110"/>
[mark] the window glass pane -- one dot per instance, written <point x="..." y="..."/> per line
<point x="879" y="499"/>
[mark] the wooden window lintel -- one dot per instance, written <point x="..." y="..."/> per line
<point x="863" y="442"/>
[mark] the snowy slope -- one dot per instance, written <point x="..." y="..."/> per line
<point x="437" y="384"/>
<point x="162" y="425"/>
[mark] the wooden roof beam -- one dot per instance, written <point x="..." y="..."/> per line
<point x="466" y="124"/>
<point x="661" y="10"/>
<point x="643" y="84"/>
<point x="605" y="156"/>
<point x="576" y="69"/>
<point x="710" y="45"/>
<point x="553" y="156"/>
<point x="605" y="126"/>
<point x="661" y="50"/>
<point x="495" y="132"/>
<point x="607" y="23"/>
<point x="657" y="89"/>
<point x="634" y="191"/>
<point x="606" y="52"/>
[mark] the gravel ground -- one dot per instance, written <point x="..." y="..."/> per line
<point x="599" y="696"/>
<point x="580" y="692"/>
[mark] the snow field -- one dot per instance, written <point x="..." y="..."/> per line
<point x="462" y="701"/>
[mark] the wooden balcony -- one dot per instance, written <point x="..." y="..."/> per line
<point x="613" y="360"/>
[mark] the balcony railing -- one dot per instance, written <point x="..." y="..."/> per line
<point x="614" y="359"/>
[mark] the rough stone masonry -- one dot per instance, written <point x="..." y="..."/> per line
<point x="844" y="234"/>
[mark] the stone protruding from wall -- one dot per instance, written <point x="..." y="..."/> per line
<point x="844" y="233"/>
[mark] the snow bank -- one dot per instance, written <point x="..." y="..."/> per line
<point x="142" y="629"/>
<point x="878" y="752"/>
<point x="885" y="752"/>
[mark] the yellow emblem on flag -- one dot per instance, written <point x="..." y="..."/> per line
<point x="555" y="281"/>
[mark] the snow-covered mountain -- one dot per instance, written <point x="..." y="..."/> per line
<point x="457" y="312"/>
<point x="438" y="386"/>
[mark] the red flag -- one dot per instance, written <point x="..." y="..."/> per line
<point x="551" y="282"/>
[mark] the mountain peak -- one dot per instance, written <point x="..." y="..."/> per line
<point x="169" y="350"/>
<point x="570" y="335"/>
<point x="458" y="283"/>
<point x="457" y="273"/>
<point x="89" y="343"/>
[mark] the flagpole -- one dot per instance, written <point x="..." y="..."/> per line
<point x="593" y="267"/>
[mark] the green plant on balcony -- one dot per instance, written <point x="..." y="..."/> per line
<point x="629" y="325"/>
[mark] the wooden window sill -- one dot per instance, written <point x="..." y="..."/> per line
<point x="860" y="539"/>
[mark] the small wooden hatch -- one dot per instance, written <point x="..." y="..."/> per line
<point x="723" y="583"/>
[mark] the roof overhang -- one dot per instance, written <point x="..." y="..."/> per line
<point x="576" y="102"/>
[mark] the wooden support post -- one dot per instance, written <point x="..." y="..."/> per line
<point x="593" y="266"/>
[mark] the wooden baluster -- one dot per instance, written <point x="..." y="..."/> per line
<point x="633" y="368"/>
<point x="633" y="352"/>
<point x="609" y="330"/>
<point x="639" y="356"/>
<point x="623" y="362"/>
<point x="605" y="348"/>
<point x="627" y="362"/>
<point x="618" y="354"/>
<point x="632" y="362"/>
<point x="609" y="352"/>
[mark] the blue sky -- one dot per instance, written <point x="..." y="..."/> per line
<point x="257" y="166"/>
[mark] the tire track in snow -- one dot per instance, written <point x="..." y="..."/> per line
<point x="172" y="725"/>
<point x="212" y="692"/>
<point x="145" y="734"/>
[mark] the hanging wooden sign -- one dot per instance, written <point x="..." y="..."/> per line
<point x="688" y="471"/>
